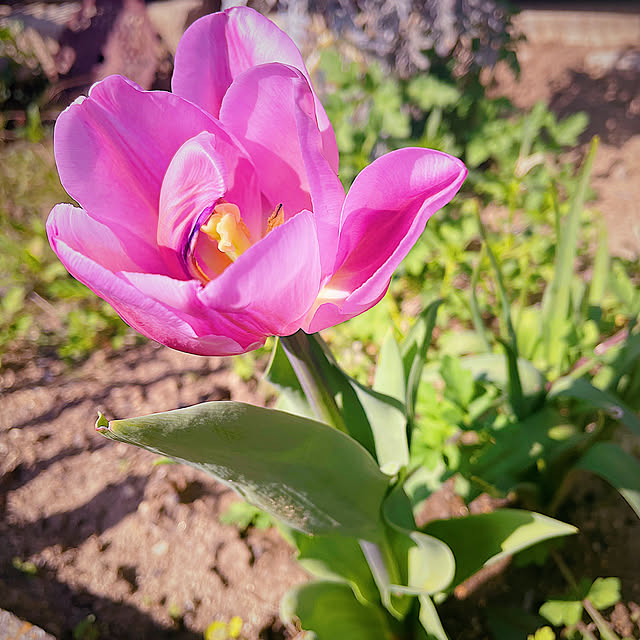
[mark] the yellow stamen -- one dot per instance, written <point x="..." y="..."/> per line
<point x="276" y="218"/>
<point x="227" y="228"/>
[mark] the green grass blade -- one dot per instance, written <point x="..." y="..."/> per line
<point x="557" y="299"/>
<point x="601" y="264"/>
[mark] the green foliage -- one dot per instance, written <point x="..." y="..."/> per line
<point x="25" y="566"/>
<point x="41" y="305"/>
<point x="495" y="535"/>
<point x="244" y="515"/>
<point x="567" y="611"/>
<point x="275" y="460"/>
<point x="86" y="629"/>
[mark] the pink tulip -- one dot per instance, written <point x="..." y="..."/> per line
<point x="213" y="217"/>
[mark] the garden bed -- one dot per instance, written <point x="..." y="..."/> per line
<point x="96" y="536"/>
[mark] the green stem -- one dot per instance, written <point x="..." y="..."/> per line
<point x="606" y="632"/>
<point x="304" y="352"/>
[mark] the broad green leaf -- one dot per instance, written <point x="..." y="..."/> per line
<point x="557" y="297"/>
<point x="617" y="467"/>
<point x="494" y="535"/>
<point x="338" y="559"/>
<point x="331" y="611"/>
<point x="581" y="389"/>
<point x="389" y="378"/>
<point x="309" y="475"/>
<point x="562" y="613"/>
<point x="388" y="424"/>
<point x="605" y="592"/>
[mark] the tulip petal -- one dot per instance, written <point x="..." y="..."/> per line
<point x="271" y="286"/>
<point x="270" y="110"/>
<point x="160" y="307"/>
<point x="204" y="169"/>
<point x="114" y="247"/>
<point x="384" y="214"/>
<point x="217" y="48"/>
<point x="112" y="150"/>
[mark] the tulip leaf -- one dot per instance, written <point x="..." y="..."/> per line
<point x="389" y="378"/>
<point x="309" y="475"/>
<point x="426" y="564"/>
<point x="330" y="610"/>
<point x="375" y="420"/>
<point x="281" y="375"/>
<point x="617" y="467"/>
<point x="581" y="389"/>
<point x="430" y="620"/>
<point x="494" y="535"/>
<point x="337" y="558"/>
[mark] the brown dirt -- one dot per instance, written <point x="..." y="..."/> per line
<point x="111" y="534"/>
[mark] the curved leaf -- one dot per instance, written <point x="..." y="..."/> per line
<point x="338" y="559"/>
<point x="481" y="539"/>
<point x="617" y="467"/>
<point x="309" y="475"/>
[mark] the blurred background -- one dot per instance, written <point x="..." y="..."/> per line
<point x="98" y="539"/>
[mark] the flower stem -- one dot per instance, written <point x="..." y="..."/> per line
<point x="311" y="365"/>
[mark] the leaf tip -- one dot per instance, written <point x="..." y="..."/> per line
<point x="102" y="425"/>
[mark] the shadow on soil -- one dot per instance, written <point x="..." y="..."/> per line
<point x="612" y="102"/>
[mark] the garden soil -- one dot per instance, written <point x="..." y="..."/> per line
<point x="96" y="537"/>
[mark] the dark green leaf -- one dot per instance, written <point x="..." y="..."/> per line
<point x="494" y="535"/>
<point x="617" y="467"/>
<point x="581" y="389"/>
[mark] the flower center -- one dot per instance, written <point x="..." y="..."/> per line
<point x="222" y="238"/>
<point x="226" y="227"/>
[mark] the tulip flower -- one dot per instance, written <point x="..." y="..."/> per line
<point x="212" y="216"/>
